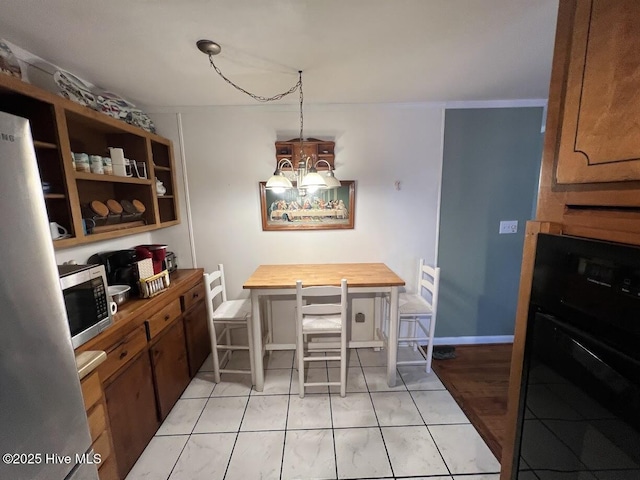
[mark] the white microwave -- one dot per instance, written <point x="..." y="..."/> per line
<point x="84" y="288"/>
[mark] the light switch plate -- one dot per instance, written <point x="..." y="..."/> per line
<point x="508" y="226"/>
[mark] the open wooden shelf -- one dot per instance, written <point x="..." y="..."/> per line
<point x="61" y="127"/>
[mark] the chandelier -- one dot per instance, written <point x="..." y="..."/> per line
<point x="305" y="175"/>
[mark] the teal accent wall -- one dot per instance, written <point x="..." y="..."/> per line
<point x="491" y="165"/>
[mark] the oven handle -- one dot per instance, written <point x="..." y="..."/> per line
<point x="585" y="350"/>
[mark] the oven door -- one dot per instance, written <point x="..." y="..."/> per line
<point x="580" y="410"/>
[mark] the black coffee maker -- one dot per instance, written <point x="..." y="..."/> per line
<point x="120" y="267"/>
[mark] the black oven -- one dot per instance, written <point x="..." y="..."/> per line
<point x="579" y="410"/>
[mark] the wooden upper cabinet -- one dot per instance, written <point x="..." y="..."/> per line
<point x="595" y="80"/>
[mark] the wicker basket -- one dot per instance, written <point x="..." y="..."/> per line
<point x="152" y="286"/>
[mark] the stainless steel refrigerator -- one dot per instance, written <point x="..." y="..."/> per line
<point x="43" y="424"/>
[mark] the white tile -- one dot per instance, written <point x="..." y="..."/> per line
<point x="158" y="458"/>
<point x="205" y="457"/>
<point x="370" y="358"/>
<point x="355" y="380"/>
<point x="376" y="378"/>
<point x="360" y="453"/>
<point x="221" y="414"/>
<point x="311" y="375"/>
<point x="354" y="410"/>
<point x="415" y="378"/>
<point x="268" y="412"/>
<point x="395" y="408"/>
<point x="432" y="478"/>
<point x="276" y="382"/>
<point x="406" y="354"/>
<point x="207" y="366"/>
<point x="491" y="476"/>
<point x="232" y="385"/>
<point x="463" y="449"/>
<point x="239" y="360"/>
<point x="256" y="455"/>
<point x="308" y="454"/>
<point x="438" y="407"/>
<point x="541" y="449"/>
<point x="201" y="386"/>
<point x="413" y="451"/>
<point x="312" y="411"/>
<point x="279" y="359"/>
<point x="182" y="417"/>
<point x="352" y="360"/>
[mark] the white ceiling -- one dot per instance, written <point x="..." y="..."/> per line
<point x="350" y="51"/>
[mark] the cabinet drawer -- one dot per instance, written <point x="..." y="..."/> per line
<point x="163" y="318"/>
<point x="97" y="421"/>
<point x="193" y="295"/>
<point x="91" y="390"/>
<point x="124" y="351"/>
<point x="102" y="446"/>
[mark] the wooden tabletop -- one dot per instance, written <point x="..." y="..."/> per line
<point x="357" y="275"/>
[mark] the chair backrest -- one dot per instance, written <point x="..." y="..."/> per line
<point x="428" y="283"/>
<point x="313" y="294"/>
<point x="215" y="286"/>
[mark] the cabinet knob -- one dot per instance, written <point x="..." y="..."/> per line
<point x="195" y="295"/>
<point x="123" y="354"/>
<point x="167" y="317"/>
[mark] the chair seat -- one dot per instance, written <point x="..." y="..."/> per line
<point x="321" y="322"/>
<point x="413" y="304"/>
<point x="233" y="310"/>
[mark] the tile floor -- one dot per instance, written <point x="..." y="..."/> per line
<point x="229" y="431"/>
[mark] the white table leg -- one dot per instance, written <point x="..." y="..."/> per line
<point x="257" y="340"/>
<point x="392" y="344"/>
<point x="377" y="317"/>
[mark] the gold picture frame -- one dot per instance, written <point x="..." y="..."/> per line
<point x="324" y="209"/>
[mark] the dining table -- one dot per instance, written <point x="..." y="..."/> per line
<point x="278" y="280"/>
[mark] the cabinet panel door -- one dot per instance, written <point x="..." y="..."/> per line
<point x="600" y="134"/>
<point x="170" y="367"/>
<point x="198" y="340"/>
<point x="132" y="412"/>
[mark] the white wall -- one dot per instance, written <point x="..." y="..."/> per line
<point x="229" y="150"/>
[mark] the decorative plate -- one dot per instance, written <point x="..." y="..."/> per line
<point x="8" y="61"/>
<point x="73" y="88"/>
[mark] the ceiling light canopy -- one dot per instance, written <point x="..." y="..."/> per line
<point x="306" y="174"/>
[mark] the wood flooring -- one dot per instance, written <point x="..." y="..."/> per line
<point x="478" y="379"/>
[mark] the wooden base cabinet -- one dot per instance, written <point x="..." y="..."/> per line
<point x="197" y="335"/>
<point x="94" y="402"/>
<point x="170" y="367"/>
<point x="131" y="405"/>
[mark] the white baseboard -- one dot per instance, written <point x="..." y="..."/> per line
<point x="473" y="340"/>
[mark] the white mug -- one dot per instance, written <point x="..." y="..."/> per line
<point x="57" y="230"/>
<point x="114" y="307"/>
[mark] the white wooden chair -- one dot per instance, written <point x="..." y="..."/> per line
<point x="316" y="318"/>
<point x="417" y="315"/>
<point x="231" y="315"/>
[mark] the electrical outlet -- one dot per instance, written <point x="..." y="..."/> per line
<point x="508" y="226"/>
<point x="360" y="317"/>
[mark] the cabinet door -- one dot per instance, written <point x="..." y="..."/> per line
<point x="197" y="333"/>
<point x="170" y="367"/>
<point x="594" y="91"/>
<point x="132" y="413"/>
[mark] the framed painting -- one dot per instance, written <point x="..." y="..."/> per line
<point x="324" y="209"/>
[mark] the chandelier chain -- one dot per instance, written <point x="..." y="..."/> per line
<point x="259" y="98"/>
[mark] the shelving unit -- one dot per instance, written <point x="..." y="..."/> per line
<point x="60" y="127"/>
<point x="312" y="147"/>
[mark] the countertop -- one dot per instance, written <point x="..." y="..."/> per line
<point x="88" y="361"/>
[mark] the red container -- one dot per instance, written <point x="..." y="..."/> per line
<point x="158" y="253"/>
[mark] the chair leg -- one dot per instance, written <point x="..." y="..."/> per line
<point x="251" y="352"/>
<point x="414" y="333"/>
<point x="214" y="354"/>
<point x="300" y="355"/>
<point x="343" y="364"/>
<point x="228" y="339"/>
<point x="432" y="329"/>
